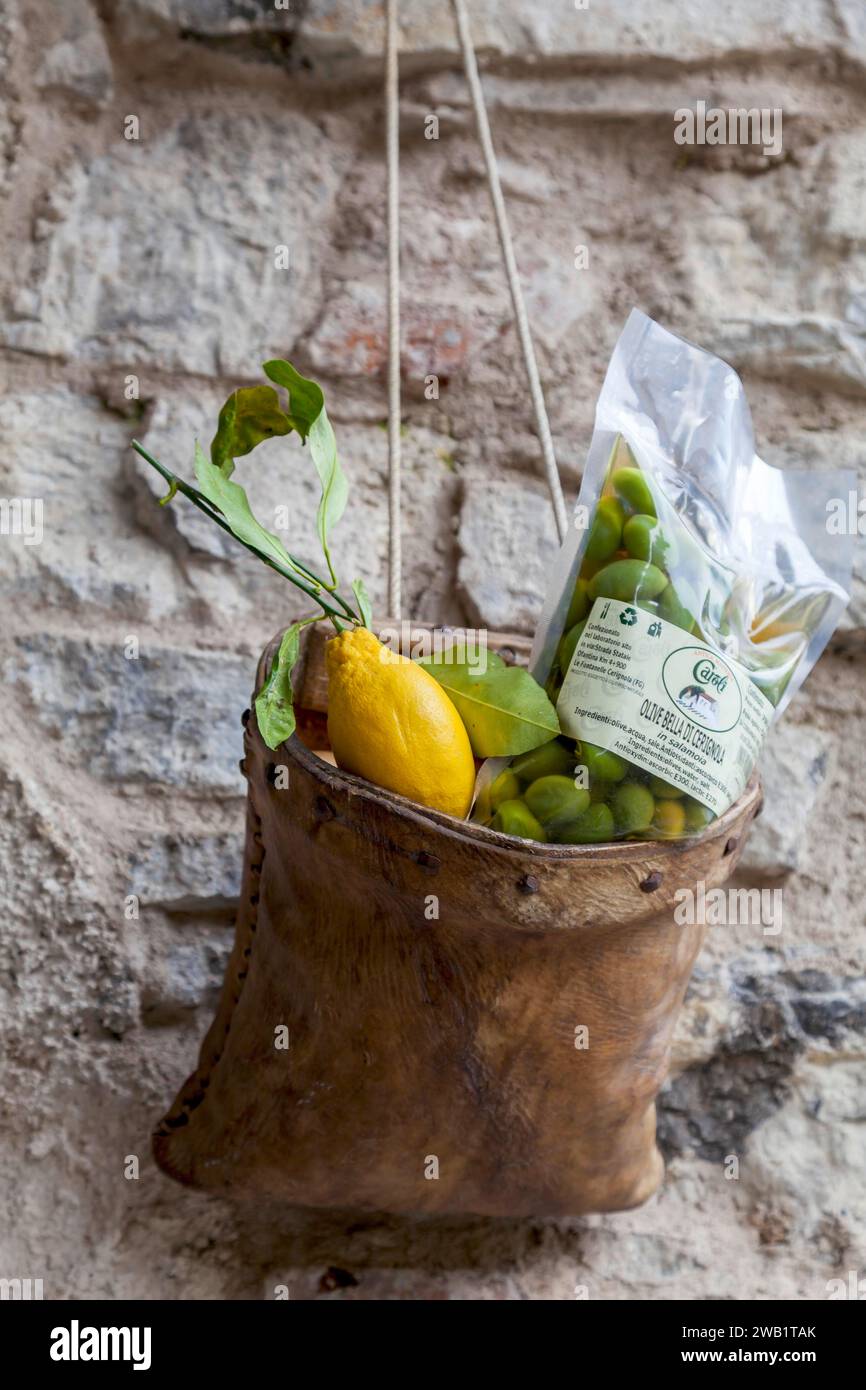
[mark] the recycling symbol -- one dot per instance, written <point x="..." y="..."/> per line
<point x="628" y="617"/>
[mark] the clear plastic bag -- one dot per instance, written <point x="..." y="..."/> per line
<point x="690" y="599"/>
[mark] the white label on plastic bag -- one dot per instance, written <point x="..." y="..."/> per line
<point x="646" y="689"/>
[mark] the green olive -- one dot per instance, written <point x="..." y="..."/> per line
<point x="669" y="819"/>
<point x="632" y="488"/>
<point x="556" y="798"/>
<point x="633" y="806"/>
<point x="774" y="690"/>
<point x="767" y="679"/>
<point x="698" y="816"/>
<point x="600" y="790"/>
<point x="671" y="608"/>
<point x="627" y="581"/>
<point x="579" y="606"/>
<point x="644" y="539"/>
<point x="545" y="761"/>
<point x="593" y="827"/>
<point x="514" y="818"/>
<point x="565" y="650"/>
<point x="659" y="787"/>
<point x="505" y="787"/>
<point x="606" y="530"/>
<point x="600" y="763"/>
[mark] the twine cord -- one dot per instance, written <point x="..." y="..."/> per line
<point x="512" y="274"/>
<point x="392" y="147"/>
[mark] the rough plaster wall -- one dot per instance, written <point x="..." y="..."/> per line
<point x="156" y="258"/>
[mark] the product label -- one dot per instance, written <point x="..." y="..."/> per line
<point x="651" y="692"/>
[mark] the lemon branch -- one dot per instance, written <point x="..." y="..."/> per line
<point x="313" y="588"/>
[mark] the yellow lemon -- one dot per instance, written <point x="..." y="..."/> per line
<point x="391" y="722"/>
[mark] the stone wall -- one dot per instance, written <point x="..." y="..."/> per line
<point x="154" y="258"/>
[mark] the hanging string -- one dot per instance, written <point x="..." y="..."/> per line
<point x="511" y="271"/>
<point x="392" y="148"/>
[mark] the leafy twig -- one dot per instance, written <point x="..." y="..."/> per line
<point x="209" y="510"/>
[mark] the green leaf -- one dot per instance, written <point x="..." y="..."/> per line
<point x="275" y="714"/>
<point x="306" y="400"/>
<point x="335" y="488"/>
<point x="360" y="592"/>
<point x="232" y="501"/>
<point x="308" y="416"/>
<point x="504" y="709"/>
<point x="456" y="655"/>
<point x="250" y="415"/>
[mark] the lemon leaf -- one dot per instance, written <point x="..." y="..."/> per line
<point x="232" y="501"/>
<point x="504" y="709"/>
<point x="306" y="399"/>
<point x="275" y="714"/>
<point x="250" y="415"/>
<point x="359" y="589"/>
<point x="307" y="414"/>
